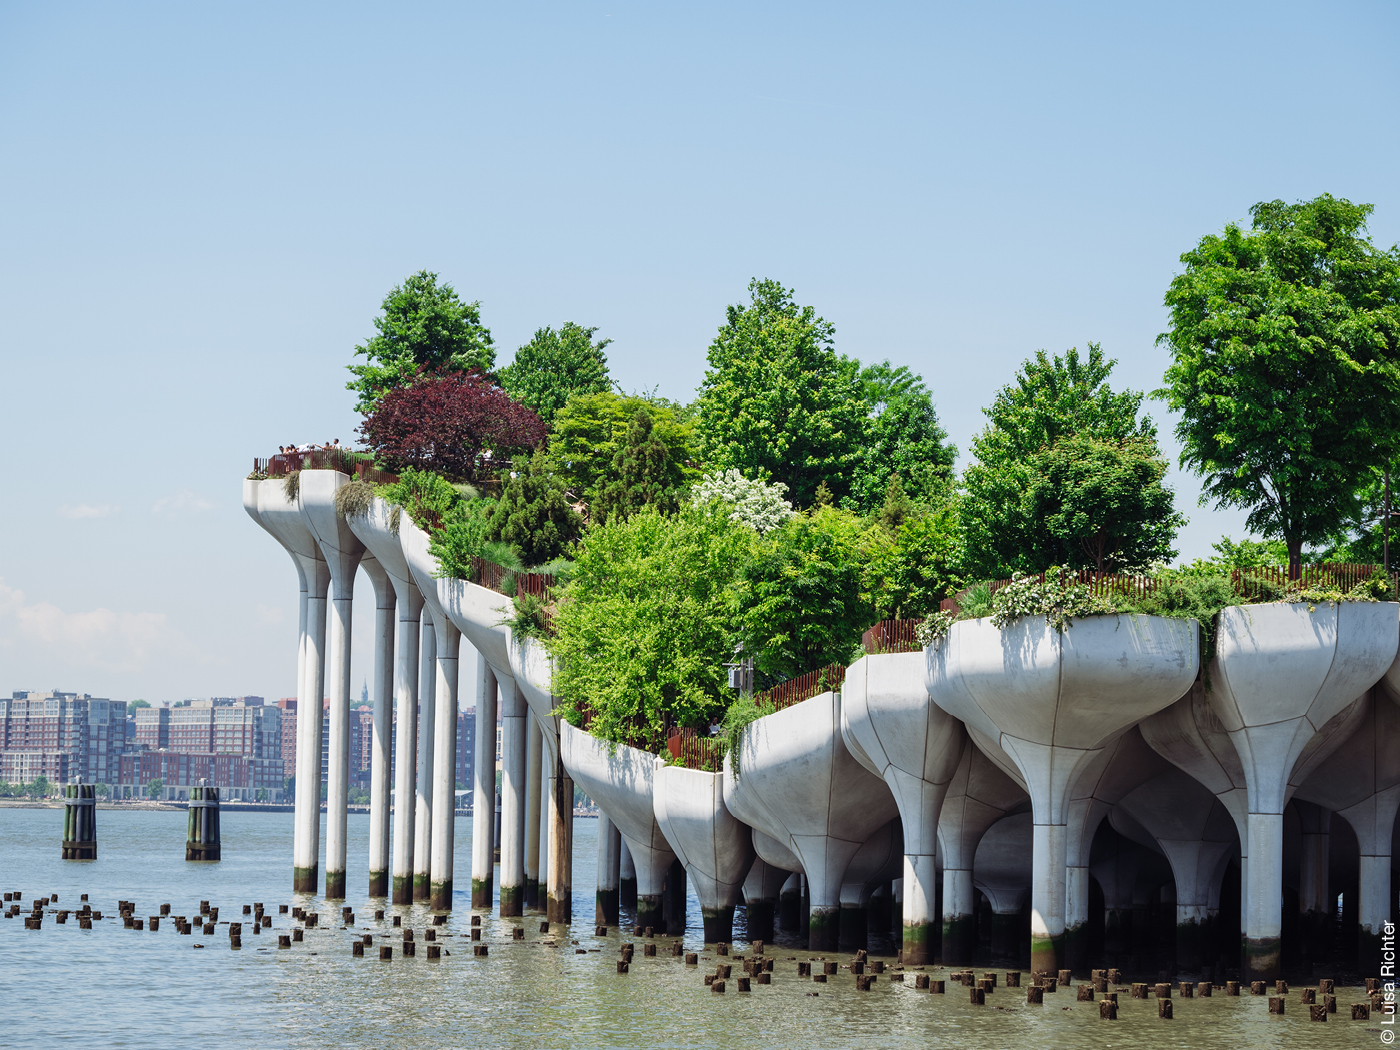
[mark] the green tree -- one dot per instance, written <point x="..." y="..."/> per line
<point x="805" y="596"/>
<point x="424" y="325"/>
<point x="645" y="626"/>
<point x="1285" y="340"/>
<point x="921" y="567"/>
<point x="137" y="703"/>
<point x="555" y="366"/>
<point x="902" y="439"/>
<point x="1051" y="398"/>
<point x="1100" y="504"/>
<point x="534" y="515"/>
<point x="40" y="787"/>
<point x="778" y="401"/>
<point x="591" y="429"/>
<point x="641" y="475"/>
<point x="155" y="788"/>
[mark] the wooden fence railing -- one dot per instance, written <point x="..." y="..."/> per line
<point x="1253" y="582"/>
<point x="695" y="751"/>
<point x="494" y="577"/>
<point x="891" y="636"/>
<point x="804" y="687"/>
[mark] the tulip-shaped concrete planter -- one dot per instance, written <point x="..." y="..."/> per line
<point x="621" y="780"/>
<point x="799" y="784"/>
<point x="377" y="530"/>
<point x="716" y="849"/>
<point x="1198" y="837"/>
<point x="437" y="593"/>
<point x="1360" y="782"/>
<point x="1281" y="672"/>
<point x="267" y="503"/>
<point x="979" y="795"/>
<point x="895" y="731"/>
<point x="1052" y="701"/>
<point x="480" y="614"/>
<point x="342" y="550"/>
<point x="533" y="670"/>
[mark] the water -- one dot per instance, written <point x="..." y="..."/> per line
<point x="112" y="987"/>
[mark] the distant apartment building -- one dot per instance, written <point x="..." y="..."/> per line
<point x="60" y="736"/>
<point x="234" y="742"/>
<point x="288" y="706"/>
<point x="466" y="747"/>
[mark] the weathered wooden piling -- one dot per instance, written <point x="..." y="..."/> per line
<point x="202" y="841"/>
<point x="80" y="821"/>
<point x="1108" y="1010"/>
<point x="1360" y="1011"/>
<point x="1164" y="1009"/>
<point x="1276" y="1004"/>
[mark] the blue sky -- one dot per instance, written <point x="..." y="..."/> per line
<point x="202" y="206"/>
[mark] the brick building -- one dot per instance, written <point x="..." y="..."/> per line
<point x="60" y="735"/>
<point x="236" y="776"/>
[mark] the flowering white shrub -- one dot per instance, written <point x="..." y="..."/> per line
<point x="756" y="504"/>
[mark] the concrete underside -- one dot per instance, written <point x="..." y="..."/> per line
<point x="379" y="884"/>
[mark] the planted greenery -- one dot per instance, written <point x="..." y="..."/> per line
<point x="742" y="713"/>
<point x="644" y="628"/>
<point x="1199" y="592"/>
<point x="353" y="500"/>
<point x="530" y="618"/>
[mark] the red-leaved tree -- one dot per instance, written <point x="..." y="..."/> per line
<point x="445" y="422"/>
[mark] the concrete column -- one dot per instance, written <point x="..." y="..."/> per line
<point x="385" y="603"/>
<point x="406" y="744"/>
<point x="895" y="731"/>
<point x="790" y="903"/>
<point x="484" y="789"/>
<point x="761" y="889"/>
<point x="534" y="742"/>
<point x="609" y="869"/>
<point x="1312" y="878"/>
<point x="444" y="810"/>
<point x="626" y="879"/>
<point x="959" y="917"/>
<point x="1057" y="725"/>
<point x="427" y="725"/>
<point x="307" y="845"/>
<point x="542" y="831"/>
<point x="342" y="551"/>
<point x="561" y="845"/>
<point x="979" y="796"/>
<point x="513" y="795"/>
<point x="338" y="751"/>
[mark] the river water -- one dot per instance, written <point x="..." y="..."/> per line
<point x="113" y="987"/>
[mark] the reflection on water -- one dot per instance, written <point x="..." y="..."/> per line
<point x="112" y="987"/>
